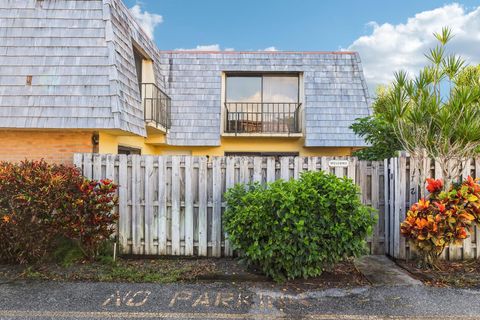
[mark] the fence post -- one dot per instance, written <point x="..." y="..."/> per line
<point x="229" y="182"/>
<point x="217" y="207"/>
<point x="386" y="188"/>
<point x="162" y="206"/>
<point x="78" y="161"/>
<point x="124" y="222"/>
<point x="375" y="204"/>
<point x="175" y="205"/>
<point x="189" y="192"/>
<point x="391" y="201"/>
<point x="148" y="205"/>
<point x="136" y="226"/>
<point x="202" y="207"/>
<point x="402" y="184"/>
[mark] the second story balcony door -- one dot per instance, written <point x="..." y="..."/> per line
<point x="262" y="104"/>
<point x="156" y="103"/>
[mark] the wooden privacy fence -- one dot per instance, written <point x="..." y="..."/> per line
<point x="172" y="205"/>
<point x="402" y="192"/>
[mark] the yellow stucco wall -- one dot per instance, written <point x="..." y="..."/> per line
<point x="237" y="144"/>
<point x="155" y="145"/>
<point x="108" y="143"/>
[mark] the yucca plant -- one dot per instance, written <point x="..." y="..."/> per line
<point x="432" y="115"/>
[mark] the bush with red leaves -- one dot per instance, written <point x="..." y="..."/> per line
<point x="40" y="202"/>
<point x="444" y="218"/>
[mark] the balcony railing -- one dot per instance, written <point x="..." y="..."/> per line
<point x="262" y="117"/>
<point x="156" y="105"/>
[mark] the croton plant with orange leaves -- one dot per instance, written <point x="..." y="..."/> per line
<point x="445" y="217"/>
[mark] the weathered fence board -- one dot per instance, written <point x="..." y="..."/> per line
<point x="173" y="205"/>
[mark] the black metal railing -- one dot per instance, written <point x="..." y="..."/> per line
<point x="156" y="104"/>
<point x="262" y="117"/>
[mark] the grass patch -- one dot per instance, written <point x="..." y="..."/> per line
<point x="67" y="253"/>
<point x="32" y="274"/>
<point x="106" y="270"/>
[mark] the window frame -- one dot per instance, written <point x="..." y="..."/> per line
<point x="275" y="154"/>
<point x="138" y="58"/>
<point x="121" y="149"/>
<point x="261" y="75"/>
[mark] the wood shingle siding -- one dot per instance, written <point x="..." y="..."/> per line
<point x="69" y="64"/>
<point x="121" y="30"/>
<point x="78" y="55"/>
<point x="335" y="93"/>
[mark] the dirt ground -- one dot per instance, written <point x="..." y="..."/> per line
<point x="460" y="274"/>
<point x="168" y="270"/>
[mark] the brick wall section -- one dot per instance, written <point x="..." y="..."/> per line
<point x="53" y="146"/>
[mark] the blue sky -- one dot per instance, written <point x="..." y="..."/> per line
<point x="376" y="29"/>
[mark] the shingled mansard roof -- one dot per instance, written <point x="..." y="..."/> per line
<point x="80" y="59"/>
<point x="79" y="56"/>
<point x="335" y="92"/>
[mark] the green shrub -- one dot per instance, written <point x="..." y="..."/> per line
<point x="297" y="228"/>
<point x="41" y="202"/>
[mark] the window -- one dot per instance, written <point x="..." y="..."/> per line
<point x="138" y="67"/>
<point x="128" y="150"/>
<point x="156" y="103"/>
<point x="262" y="103"/>
<point x="262" y="88"/>
<point x="244" y="89"/>
<point x="261" y="154"/>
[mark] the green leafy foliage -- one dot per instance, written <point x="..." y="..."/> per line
<point x="378" y="134"/>
<point x="377" y="131"/>
<point x="436" y="114"/>
<point x="469" y="76"/>
<point x="67" y="252"/>
<point x="296" y="228"/>
<point x="41" y="202"/>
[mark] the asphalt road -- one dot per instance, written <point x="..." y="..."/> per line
<point x="54" y="300"/>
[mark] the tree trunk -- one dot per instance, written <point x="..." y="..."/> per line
<point x="429" y="260"/>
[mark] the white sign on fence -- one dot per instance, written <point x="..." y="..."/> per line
<point x="338" y="163"/>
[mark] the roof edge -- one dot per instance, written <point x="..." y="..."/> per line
<point x="257" y="52"/>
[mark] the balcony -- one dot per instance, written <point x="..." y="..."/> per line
<point x="262" y="119"/>
<point x="157" y="107"/>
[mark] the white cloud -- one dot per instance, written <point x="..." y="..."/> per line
<point x="394" y="47"/>
<point x="148" y="21"/>
<point x="269" y="49"/>
<point x="204" y="47"/>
